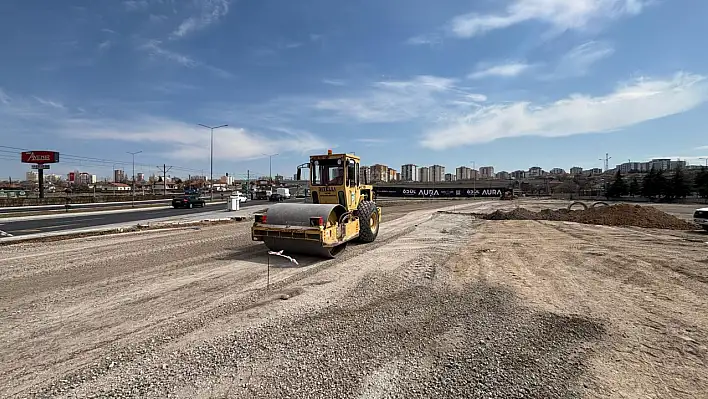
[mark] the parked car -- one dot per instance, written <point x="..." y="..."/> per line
<point x="188" y="201"/>
<point x="701" y="217"/>
<point x="275" y="197"/>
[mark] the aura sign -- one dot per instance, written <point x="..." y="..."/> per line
<point x="437" y="192"/>
<point x="40" y="159"/>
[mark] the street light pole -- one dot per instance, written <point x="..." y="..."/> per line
<point x="211" y="157"/>
<point x="474" y="182"/>
<point x="270" y="165"/>
<point x="133" y="190"/>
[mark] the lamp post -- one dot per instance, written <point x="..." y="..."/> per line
<point x="133" y="190"/>
<point x="211" y="158"/>
<point x="474" y="182"/>
<point x="270" y="166"/>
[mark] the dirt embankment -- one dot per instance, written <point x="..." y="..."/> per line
<point x="614" y="215"/>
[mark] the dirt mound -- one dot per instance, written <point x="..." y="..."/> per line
<point x="614" y="215"/>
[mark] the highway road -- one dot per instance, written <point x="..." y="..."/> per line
<point x="71" y="222"/>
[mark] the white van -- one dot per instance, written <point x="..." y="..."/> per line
<point x="284" y="192"/>
<point x="701" y="217"/>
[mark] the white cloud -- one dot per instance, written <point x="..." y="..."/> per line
<point x="424" y="39"/>
<point x="136" y="5"/>
<point x="631" y="103"/>
<point x="49" y="103"/>
<point x="334" y="82"/>
<point x="422" y="98"/>
<point x="561" y="15"/>
<point x="190" y="142"/>
<point x="703" y="147"/>
<point x="503" y="70"/>
<point x="154" y="48"/>
<point x="373" y="142"/>
<point x="4" y="98"/>
<point x="577" y="61"/>
<point x="105" y="45"/>
<point x="210" y="11"/>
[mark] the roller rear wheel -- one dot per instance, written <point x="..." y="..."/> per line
<point x="369" y="219"/>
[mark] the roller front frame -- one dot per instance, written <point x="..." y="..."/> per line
<point x="289" y="227"/>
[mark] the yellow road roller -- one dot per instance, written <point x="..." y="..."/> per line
<point x="342" y="209"/>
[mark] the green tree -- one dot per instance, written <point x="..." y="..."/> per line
<point x="679" y="186"/>
<point x="654" y="184"/>
<point x="701" y="182"/>
<point x="634" y="187"/>
<point x="618" y="187"/>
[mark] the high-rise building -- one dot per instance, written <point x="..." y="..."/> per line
<point x="409" y="172"/>
<point x="118" y="176"/>
<point x="398" y="176"/>
<point x="503" y="175"/>
<point x="450" y="177"/>
<point x="557" y="171"/>
<point x="365" y="174"/>
<point x="576" y="170"/>
<point x="437" y="173"/>
<point x="463" y="173"/>
<point x="424" y="174"/>
<point x="32" y="176"/>
<point x="379" y="173"/>
<point x="518" y="174"/>
<point x="392" y="174"/>
<point x="486" y="172"/>
<point x="535" y="171"/>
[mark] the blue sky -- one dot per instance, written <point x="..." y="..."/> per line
<point x="508" y="83"/>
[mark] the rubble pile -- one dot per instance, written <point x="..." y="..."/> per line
<point x="614" y="215"/>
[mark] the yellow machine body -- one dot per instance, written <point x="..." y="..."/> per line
<point x="341" y="210"/>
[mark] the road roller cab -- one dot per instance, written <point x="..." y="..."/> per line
<point x="341" y="210"/>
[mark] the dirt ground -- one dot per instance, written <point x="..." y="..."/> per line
<point x="440" y="305"/>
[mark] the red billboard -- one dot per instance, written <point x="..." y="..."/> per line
<point x="72" y="176"/>
<point x="40" y="157"/>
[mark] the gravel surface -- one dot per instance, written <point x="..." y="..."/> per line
<point x="441" y="305"/>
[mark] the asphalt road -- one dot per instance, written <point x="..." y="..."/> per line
<point x="25" y="227"/>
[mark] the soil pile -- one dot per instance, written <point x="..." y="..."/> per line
<point x="614" y="215"/>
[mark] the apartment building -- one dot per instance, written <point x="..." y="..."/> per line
<point x="557" y="171"/>
<point x="503" y="175"/>
<point x="486" y="172"/>
<point x="379" y="173"/>
<point x="463" y="173"/>
<point x="365" y="174"/>
<point x="576" y="170"/>
<point x="437" y="173"/>
<point x="409" y="172"/>
<point x="424" y="174"/>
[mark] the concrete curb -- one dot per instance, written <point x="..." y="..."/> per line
<point x="114" y="229"/>
<point x="89" y="213"/>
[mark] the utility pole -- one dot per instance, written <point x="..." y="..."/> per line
<point x="133" y="154"/>
<point x="164" y="178"/>
<point x="248" y="183"/>
<point x="270" y="166"/>
<point x="211" y="158"/>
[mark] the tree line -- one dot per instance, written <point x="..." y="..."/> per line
<point x="655" y="185"/>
